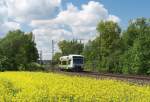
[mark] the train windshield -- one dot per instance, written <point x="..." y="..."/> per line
<point x="77" y="60"/>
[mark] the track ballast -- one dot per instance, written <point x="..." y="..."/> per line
<point x="142" y="80"/>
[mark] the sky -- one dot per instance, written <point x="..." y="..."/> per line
<point x="66" y="19"/>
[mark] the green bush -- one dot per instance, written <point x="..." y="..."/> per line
<point x="35" y="67"/>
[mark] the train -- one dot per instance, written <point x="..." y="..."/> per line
<point x="72" y="62"/>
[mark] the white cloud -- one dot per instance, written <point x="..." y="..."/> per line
<point x="14" y="13"/>
<point x="44" y="36"/>
<point x="26" y="10"/>
<point x="72" y="23"/>
<point x="7" y="26"/>
<point x="49" y="22"/>
<point x="113" y="18"/>
<point x="3" y="12"/>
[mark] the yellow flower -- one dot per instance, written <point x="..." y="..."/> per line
<point x="51" y="87"/>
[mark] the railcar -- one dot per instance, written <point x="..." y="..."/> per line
<point x="72" y="62"/>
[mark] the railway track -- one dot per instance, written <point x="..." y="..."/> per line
<point x="142" y="80"/>
<point x="146" y="78"/>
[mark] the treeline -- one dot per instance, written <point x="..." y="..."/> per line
<point x="114" y="50"/>
<point x="68" y="47"/>
<point x="18" y="51"/>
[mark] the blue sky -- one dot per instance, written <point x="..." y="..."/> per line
<point x="124" y="9"/>
<point x="66" y="19"/>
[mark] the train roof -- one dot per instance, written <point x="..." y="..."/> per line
<point x="66" y="58"/>
<point x="75" y="55"/>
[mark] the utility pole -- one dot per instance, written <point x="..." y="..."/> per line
<point x="52" y="48"/>
<point x="100" y="52"/>
<point x="33" y="37"/>
<point x="81" y="40"/>
<point x="52" y="52"/>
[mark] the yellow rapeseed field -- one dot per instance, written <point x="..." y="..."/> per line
<point x="50" y="87"/>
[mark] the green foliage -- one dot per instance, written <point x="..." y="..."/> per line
<point x="91" y="53"/>
<point x="106" y="48"/>
<point x="35" y="67"/>
<point x="17" y="50"/>
<point x="56" y="57"/>
<point x="3" y="63"/>
<point x="112" y="51"/>
<point x="70" y="47"/>
<point x="137" y="54"/>
<point x="127" y="53"/>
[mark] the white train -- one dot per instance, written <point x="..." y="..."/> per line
<point x="72" y="62"/>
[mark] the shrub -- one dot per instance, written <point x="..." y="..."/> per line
<point x="35" y="67"/>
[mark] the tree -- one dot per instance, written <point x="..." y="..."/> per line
<point x="111" y="45"/>
<point x="70" y="47"/>
<point x="92" y="55"/>
<point x="137" y="55"/>
<point x="56" y="57"/>
<point x="103" y="53"/>
<point x="133" y="31"/>
<point x="19" y="49"/>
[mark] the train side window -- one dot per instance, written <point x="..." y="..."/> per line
<point x="69" y="62"/>
<point x="64" y="62"/>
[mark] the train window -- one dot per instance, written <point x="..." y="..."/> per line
<point x="78" y="60"/>
<point x="64" y="62"/>
<point x="69" y="61"/>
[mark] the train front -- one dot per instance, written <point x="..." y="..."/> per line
<point x="77" y="62"/>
